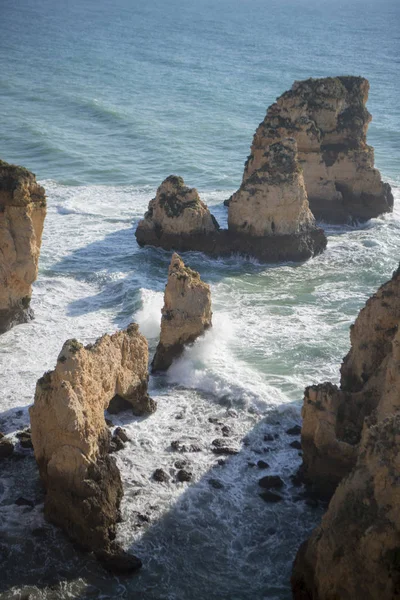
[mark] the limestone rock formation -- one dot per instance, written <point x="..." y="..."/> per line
<point x="176" y="210"/>
<point x="71" y="439"/>
<point x="186" y="313"/>
<point x="370" y="381"/>
<point x="22" y="214"/>
<point x="328" y="119"/>
<point x="273" y="200"/>
<point x="355" y="553"/>
<point x="178" y="220"/>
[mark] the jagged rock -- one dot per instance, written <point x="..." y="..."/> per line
<point x="186" y="313"/>
<point x="71" y="439"/>
<point x="333" y="417"/>
<point x="328" y="119"/>
<point x="22" y="214"/>
<point x="273" y="200"/>
<point x="354" y="554"/>
<point x="176" y="210"/>
<point x="178" y="220"/>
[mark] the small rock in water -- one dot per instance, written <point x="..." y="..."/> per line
<point x="296" y="430"/>
<point x="296" y="444"/>
<point x="268" y="437"/>
<point x="180" y="464"/>
<point x="24" y="502"/>
<point x="271" y="481"/>
<point x="184" y="475"/>
<point x="231" y="412"/>
<point x="216" y="483"/>
<point x="119" y="562"/>
<point x="261" y="464"/>
<point x="161" y="476"/>
<point x="225" y="450"/>
<point x="121" y="434"/>
<point x="251" y="464"/>
<point x="271" y="497"/>
<point x="214" y="420"/>
<point x="221" y="462"/>
<point x="116" y="444"/>
<point x="6" y="448"/>
<point x="181" y="446"/>
<point x="226" y="430"/>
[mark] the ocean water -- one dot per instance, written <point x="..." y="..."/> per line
<point x="103" y="100"/>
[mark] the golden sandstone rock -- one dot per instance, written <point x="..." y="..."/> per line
<point x="186" y="313"/>
<point x="350" y="439"/>
<point x="22" y="214"/>
<point x="328" y="119"/>
<point x="70" y="437"/>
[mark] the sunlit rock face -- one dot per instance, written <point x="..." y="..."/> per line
<point x="328" y="119"/>
<point x="71" y="440"/>
<point x="350" y="442"/>
<point x="22" y="214"/>
<point x="186" y="313"/>
<point x="333" y="417"/>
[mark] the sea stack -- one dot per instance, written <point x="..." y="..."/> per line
<point x="71" y="440"/>
<point x="22" y="214"/>
<point x="186" y="313"/>
<point x="328" y="119"/>
<point x="350" y="441"/>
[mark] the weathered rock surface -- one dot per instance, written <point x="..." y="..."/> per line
<point x="333" y="417"/>
<point x="71" y="439"/>
<point x="186" y="313"/>
<point x="273" y="200"/>
<point x="355" y="553"/>
<point x="22" y="214"/>
<point x="328" y="119"/>
<point x="177" y="210"/>
<point x="178" y="220"/>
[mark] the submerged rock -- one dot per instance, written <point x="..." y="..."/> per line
<point x="6" y="448"/>
<point x="186" y="313"/>
<point x="271" y="482"/>
<point x="333" y="417"/>
<point x="71" y="439"/>
<point x="22" y="214"/>
<point x="328" y="119"/>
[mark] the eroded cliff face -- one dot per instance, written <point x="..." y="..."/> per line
<point x="355" y="553"/>
<point x="333" y="417"/>
<point x="71" y="440"/>
<point x="22" y="214"/>
<point x="328" y="119"/>
<point x="186" y="313"/>
<point x="176" y="210"/>
<point x="350" y="441"/>
<point x="273" y="199"/>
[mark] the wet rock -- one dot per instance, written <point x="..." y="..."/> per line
<point x="251" y="464"/>
<point x="161" y="476"/>
<point x="271" y="497"/>
<point x="24" y="502"/>
<point x="231" y="412"/>
<point x="295" y="444"/>
<point x="296" y="430"/>
<point x="116" y="444"/>
<point x="216" y="483"/>
<point x="109" y="423"/>
<point x="6" y="448"/>
<point x="225" y="450"/>
<point x="215" y="420"/>
<point x="180" y="464"/>
<point x="221" y="462"/>
<point x="121" y="434"/>
<point x="268" y="437"/>
<point x="185" y="446"/>
<point x="261" y="464"/>
<point x="226" y="430"/>
<point x="184" y="475"/>
<point x="25" y="438"/>
<point x="271" y="482"/>
<point x="119" y="562"/>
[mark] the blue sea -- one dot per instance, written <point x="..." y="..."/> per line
<point x="103" y="100"/>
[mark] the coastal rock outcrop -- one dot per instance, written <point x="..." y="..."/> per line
<point x="22" y="214"/>
<point x="350" y="441"/>
<point x="177" y="210"/>
<point x="333" y="417"/>
<point x="273" y="200"/>
<point x="355" y="553"/>
<point x="178" y="220"/>
<point x="186" y="313"/>
<point x="328" y="119"/>
<point x="71" y="439"/>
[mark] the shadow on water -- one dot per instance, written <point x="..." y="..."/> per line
<point x="219" y="540"/>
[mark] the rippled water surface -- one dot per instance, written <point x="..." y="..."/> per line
<point x="103" y="100"/>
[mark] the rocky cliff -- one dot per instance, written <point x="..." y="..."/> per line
<point x="273" y="200"/>
<point x="71" y="440"/>
<point x="350" y="441"/>
<point x="328" y="119"/>
<point x="186" y="313"/>
<point x="333" y="417"/>
<point x="22" y="214"/>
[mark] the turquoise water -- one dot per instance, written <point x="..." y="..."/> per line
<point x="102" y="101"/>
